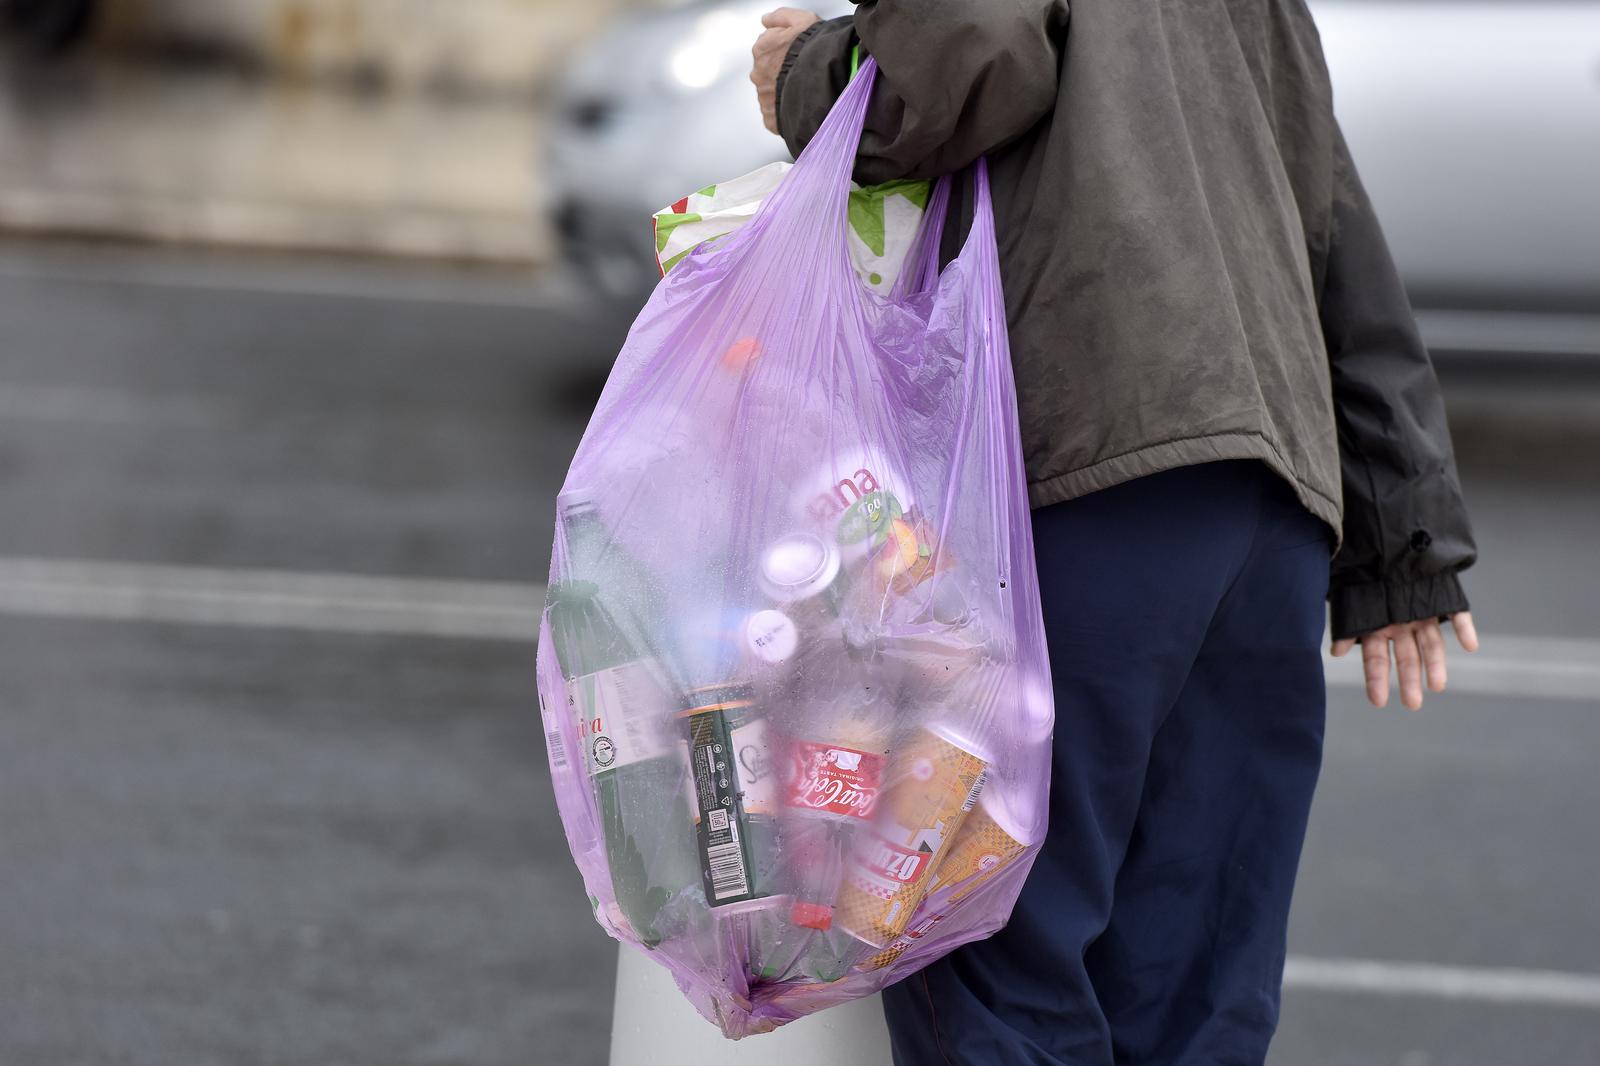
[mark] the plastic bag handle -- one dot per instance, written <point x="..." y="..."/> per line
<point x="819" y="186"/>
<point x="819" y="183"/>
<point x="920" y="271"/>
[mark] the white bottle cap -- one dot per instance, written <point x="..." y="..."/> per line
<point x="770" y="636"/>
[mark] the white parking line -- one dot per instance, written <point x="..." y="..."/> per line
<point x="1516" y="666"/>
<point x="1483" y="984"/>
<point x="272" y="599"/>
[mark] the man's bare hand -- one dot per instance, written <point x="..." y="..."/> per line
<point x="782" y="27"/>
<point x="1418" y="649"/>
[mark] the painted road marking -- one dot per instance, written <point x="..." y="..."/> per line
<point x="1484" y="984"/>
<point x="270" y="599"/>
<point x="1523" y="666"/>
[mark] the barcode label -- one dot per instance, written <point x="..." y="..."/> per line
<point x="557" y="744"/>
<point x="555" y="741"/>
<point x="720" y="829"/>
<point x="977" y="787"/>
<point x="727" y="868"/>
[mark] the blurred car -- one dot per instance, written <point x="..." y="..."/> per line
<point x="656" y="107"/>
<point x="1476" y="124"/>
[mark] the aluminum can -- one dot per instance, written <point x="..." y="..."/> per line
<point x="735" y="828"/>
<point x="934" y="782"/>
<point x="802" y="570"/>
<point x="990" y="838"/>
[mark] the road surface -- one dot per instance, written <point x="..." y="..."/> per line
<point x="271" y="541"/>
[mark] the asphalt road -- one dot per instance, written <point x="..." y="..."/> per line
<point x="236" y="840"/>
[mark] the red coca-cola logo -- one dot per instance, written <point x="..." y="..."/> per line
<point x="834" y="780"/>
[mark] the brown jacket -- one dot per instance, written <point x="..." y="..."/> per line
<point x="1192" y="268"/>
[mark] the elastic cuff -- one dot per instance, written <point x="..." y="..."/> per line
<point x="789" y="59"/>
<point x="1355" y="610"/>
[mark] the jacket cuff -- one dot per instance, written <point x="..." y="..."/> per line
<point x="1355" y="610"/>
<point x="789" y="59"/>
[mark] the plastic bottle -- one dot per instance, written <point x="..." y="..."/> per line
<point x="623" y="713"/>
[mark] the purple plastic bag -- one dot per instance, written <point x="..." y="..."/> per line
<point x="792" y="666"/>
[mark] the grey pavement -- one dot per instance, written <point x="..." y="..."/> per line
<point x="242" y="845"/>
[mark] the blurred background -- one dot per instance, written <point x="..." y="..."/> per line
<point x="303" y="305"/>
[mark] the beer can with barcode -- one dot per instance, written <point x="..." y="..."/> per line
<point x="991" y="837"/>
<point x="934" y="782"/>
<point x="729" y="779"/>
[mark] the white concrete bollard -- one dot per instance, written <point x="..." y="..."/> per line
<point x="654" y="1025"/>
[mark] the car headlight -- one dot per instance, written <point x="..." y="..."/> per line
<point x="716" y="47"/>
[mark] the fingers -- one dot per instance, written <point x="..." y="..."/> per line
<point x="1375" y="664"/>
<point x="1419" y="657"/>
<point x="1408" y="663"/>
<point x="786" y="16"/>
<point x="1431" y="643"/>
<point x="771" y="41"/>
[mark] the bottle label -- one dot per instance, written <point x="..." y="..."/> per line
<point x="833" y="780"/>
<point x="620" y="714"/>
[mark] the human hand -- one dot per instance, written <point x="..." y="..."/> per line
<point x="782" y="27"/>
<point x="1418" y="647"/>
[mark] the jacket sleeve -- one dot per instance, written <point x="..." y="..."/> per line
<point x="956" y="79"/>
<point x="1406" y="533"/>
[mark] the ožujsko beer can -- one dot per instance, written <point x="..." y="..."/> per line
<point x="934" y="782"/>
<point x="904" y="942"/>
<point x="989" y="839"/>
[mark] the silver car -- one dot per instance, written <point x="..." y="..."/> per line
<point x="1476" y="125"/>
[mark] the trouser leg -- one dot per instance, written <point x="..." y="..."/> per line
<point x="1190" y="966"/>
<point x="1130" y="579"/>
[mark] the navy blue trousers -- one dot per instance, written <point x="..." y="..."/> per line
<point x="1184" y="612"/>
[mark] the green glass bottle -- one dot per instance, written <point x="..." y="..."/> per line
<point x="626" y="717"/>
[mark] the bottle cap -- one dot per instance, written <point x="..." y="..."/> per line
<point x="770" y="636"/>
<point x="811" y="915"/>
